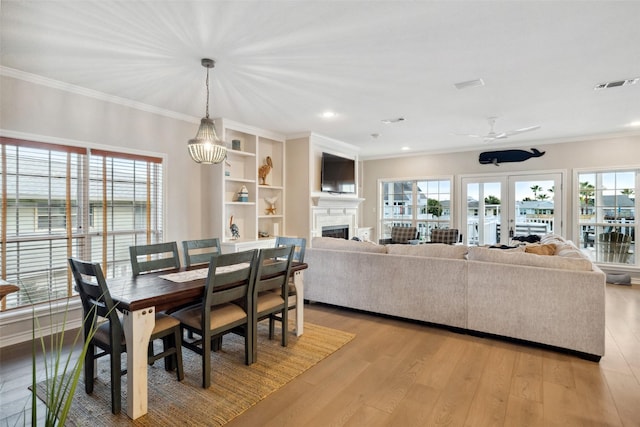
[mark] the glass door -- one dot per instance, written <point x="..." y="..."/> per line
<point x="484" y="199"/>
<point x="499" y="208"/>
<point x="534" y="210"/>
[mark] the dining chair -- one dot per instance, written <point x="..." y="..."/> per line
<point x="299" y="244"/>
<point x="274" y="268"/>
<point x="154" y="257"/>
<point x="200" y="251"/>
<point x="108" y="336"/>
<point x="226" y="307"/>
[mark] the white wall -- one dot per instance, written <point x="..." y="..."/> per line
<point x="592" y="153"/>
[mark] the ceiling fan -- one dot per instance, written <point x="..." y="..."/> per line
<point x="493" y="135"/>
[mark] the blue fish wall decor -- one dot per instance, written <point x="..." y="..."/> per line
<point x="504" y="156"/>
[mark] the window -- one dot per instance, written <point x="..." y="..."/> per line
<point x="61" y="201"/>
<point x="424" y="204"/>
<point x="606" y="215"/>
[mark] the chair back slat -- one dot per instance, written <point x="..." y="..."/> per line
<point x="200" y="251"/>
<point x="299" y="243"/>
<point x="94" y="293"/>
<point x="218" y="290"/>
<point x="154" y="257"/>
<point x="274" y="268"/>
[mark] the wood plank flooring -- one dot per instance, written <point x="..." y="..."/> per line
<point x="398" y="373"/>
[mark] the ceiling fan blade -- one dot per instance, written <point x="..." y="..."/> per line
<point x="522" y="130"/>
<point x="469" y="135"/>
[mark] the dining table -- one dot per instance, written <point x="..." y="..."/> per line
<point x="139" y="297"/>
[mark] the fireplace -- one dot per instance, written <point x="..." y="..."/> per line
<point x="339" y="231"/>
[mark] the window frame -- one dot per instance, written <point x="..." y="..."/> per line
<point x="77" y="236"/>
<point x="414" y="219"/>
<point x="584" y="241"/>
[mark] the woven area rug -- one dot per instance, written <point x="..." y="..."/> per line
<point x="235" y="387"/>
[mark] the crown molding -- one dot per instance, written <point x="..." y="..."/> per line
<point x="90" y="93"/>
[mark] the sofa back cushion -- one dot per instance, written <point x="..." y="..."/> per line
<point x="533" y="260"/>
<point x="347" y="245"/>
<point x="434" y="250"/>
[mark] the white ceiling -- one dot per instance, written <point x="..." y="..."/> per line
<point x="281" y="64"/>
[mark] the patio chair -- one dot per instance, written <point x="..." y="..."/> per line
<point x="613" y="247"/>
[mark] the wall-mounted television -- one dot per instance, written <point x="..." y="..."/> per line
<point x="338" y="174"/>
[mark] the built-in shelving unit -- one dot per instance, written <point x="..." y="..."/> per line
<point x="256" y="219"/>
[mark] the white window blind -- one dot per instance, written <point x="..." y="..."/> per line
<point x="60" y="201"/>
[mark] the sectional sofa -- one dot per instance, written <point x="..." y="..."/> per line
<point x="556" y="299"/>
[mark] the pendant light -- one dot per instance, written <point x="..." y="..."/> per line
<point x="206" y="147"/>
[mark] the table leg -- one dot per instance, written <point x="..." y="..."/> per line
<point x="298" y="280"/>
<point x="138" y="326"/>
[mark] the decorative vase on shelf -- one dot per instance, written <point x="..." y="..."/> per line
<point x="243" y="194"/>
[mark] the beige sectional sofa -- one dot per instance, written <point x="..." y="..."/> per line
<point x="556" y="300"/>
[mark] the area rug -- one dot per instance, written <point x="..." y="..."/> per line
<point x="235" y="387"/>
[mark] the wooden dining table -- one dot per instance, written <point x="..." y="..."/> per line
<point x="139" y="297"/>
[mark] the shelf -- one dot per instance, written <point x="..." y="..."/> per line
<point x="240" y="153"/>
<point x="232" y="179"/>
<point x="242" y="168"/>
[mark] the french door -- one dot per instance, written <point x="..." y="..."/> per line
<point x="500" y="207"/>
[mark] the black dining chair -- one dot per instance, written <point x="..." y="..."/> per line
<point x="154" y="257"/>
<point x="271" y="291"/>
<point x="109" y="335"/>
<point x="226" y="307"/>
<point x="200" y="251"/>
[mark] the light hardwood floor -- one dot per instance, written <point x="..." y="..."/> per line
<point x="398" y="373"/>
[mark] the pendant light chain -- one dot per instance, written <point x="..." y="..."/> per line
<point x="207" y="110"/>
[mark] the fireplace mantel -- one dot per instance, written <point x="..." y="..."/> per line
<point x="336" y="202"/>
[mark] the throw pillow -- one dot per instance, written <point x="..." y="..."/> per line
<point x="546" y="249"/>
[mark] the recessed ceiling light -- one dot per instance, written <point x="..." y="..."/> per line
<point x="405" y="148"/>
<point x="469" y="83"/>
<point x="634" y="124"/>
<point x="395" y="120"/>
<point x="328" y="115"/>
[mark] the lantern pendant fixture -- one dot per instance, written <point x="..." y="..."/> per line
<point x="206" y="147"/>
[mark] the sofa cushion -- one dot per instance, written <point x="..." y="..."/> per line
<point x="347" y="245"/>
<point x="434" y="250"/>
<point x="533" y="260"/>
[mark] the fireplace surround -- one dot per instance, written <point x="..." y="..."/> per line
<point x="332" y="212"/>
